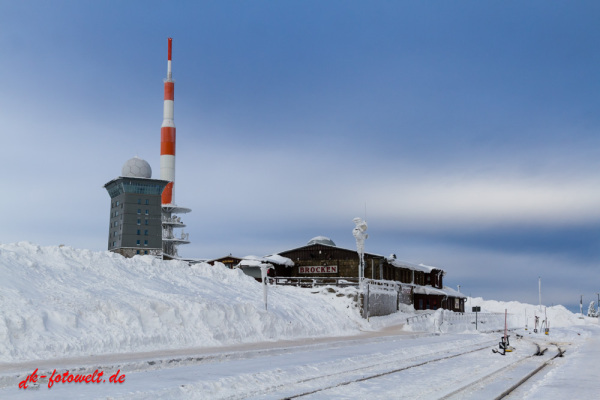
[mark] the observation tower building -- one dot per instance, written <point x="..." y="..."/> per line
<point x="135" y="211"/>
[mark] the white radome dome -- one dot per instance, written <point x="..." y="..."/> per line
<point x="136" y="168"/>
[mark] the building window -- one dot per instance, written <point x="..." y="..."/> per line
<point x="147" y="201"/>
<point x="145" y="243"/>
<point x="115" y="234"/>
<point x="145" y="251"/>
<point x="116" y="223"/>
<point x="117" y="204"/>
<point x="114" y="244"/>
<point x="139" y="221"/>
<point x="138" y="231"/>
<point x="146" y="222"/>
<point x="139" y="210"/>
<point x="146" y="212"/>
<point x="137" y="242"/>
<point x="146" y="232"/>
<point x="139" y="201"/>
<point x="137" y="252"/>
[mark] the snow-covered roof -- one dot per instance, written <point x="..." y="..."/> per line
<point x="453" y="293"/>
<point x="429" y="290"/>
<point x="446" y="291"/>
<point x="279" y="260"/>
<point x="414" y="267"/>
<point x="253" y="261"/>
<point x="321" y="240"/>
<point x="273" y="259"/>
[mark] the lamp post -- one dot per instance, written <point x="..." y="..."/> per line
<point x="360" y="234"/>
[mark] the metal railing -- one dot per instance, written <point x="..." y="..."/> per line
<point x="313" y="282"/>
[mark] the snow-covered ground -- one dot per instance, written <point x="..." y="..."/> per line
<point x="203" y="331"/>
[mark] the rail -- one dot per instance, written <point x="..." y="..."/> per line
<point x="313" y="282"/>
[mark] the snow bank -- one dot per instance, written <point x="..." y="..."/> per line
<point x="558" y="316"/>
<point x="61" y="302"/>
<point x="491" y="318"/>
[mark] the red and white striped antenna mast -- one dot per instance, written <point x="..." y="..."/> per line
<point x="170" y="221"/>
<point x="167" y="135"/>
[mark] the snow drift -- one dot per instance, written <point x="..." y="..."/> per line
<point x="60" y="301"/>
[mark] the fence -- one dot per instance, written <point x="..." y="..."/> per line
<point x="449" y="321"/>
<point x="379" y="297"/>
<point x="314" y="282"/>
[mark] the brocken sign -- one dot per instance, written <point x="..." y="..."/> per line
<point x="329" y="269"/>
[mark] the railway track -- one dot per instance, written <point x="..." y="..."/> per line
<point x="504" y="381"/>
<point x="373" y="369"/>
<point x="498" y="383"/>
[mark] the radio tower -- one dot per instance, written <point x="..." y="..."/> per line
<point x="170" y="221"/>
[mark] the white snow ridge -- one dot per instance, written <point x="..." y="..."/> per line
<point x="202" y="332"/>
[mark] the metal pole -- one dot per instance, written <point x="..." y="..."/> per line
<point x="540" y="291"/>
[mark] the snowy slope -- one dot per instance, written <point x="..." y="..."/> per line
<point x="58" y="302"/>
<point x="558" y="316"/>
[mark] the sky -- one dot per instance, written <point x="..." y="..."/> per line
<point x="465" y="133"/>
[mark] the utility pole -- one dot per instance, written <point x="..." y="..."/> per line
<point x="540" y="291"/>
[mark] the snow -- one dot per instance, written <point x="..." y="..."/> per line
<point x="558" y="316"/>
<point x="411" y="266"/>
<point x="59" y="302"/>
<point x="71" y="308"/>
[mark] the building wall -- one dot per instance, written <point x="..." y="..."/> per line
<point x="135" y="216"/>
<point x="343" y="261"/>
<point x="142" y="227"/>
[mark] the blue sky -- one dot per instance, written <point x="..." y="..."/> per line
<point x="466" y="132"/>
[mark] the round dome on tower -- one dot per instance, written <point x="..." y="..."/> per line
<point x="321" y="240"/>
<point x="136" y="168"/>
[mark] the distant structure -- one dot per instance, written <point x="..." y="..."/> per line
<point x="135" y="211"/>
<point x="170" y="221"/>
<point x="143" y="216"/>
